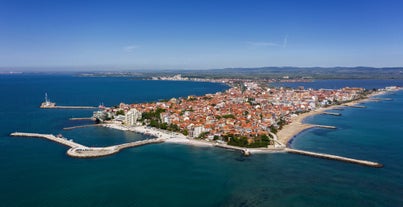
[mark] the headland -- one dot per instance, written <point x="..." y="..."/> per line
<point x="249" y="117"/>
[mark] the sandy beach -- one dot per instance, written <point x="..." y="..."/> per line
<point x="169" y="137"/>
<point x="297" y="126"/>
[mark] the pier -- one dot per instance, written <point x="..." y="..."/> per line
<point x="331" y="113"/>
<point x="380" y="99"/>
<point x="52" y="105"/>
<point x="81" y="151"/>
<point x="91" y="152"/>
<point x="244" y="151"/>
<point x="356" y="106"/>
<point x="68" y="107"/>
<point x="334" y="157"/>
<point x="51" y="137"/>
<point x="338" y="109"/>
<point x="82" y="118"/>
<point x="81" y="126"/>
<point x="324" y="126"/>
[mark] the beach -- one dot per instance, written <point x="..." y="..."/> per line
<point x="169" y="137"/>
<point x="178" y="138"/>
<point x="289" y="131"/>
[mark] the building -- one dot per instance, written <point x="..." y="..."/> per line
<point x="132" y="116"/>
<point x="197" y="131"/>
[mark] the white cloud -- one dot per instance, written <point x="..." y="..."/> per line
<point x="285" y="41"/>
<point x="130" y="48"/>
<point x="269" y="44"/>
<point x="262" y="44"/>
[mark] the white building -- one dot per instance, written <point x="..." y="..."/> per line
<point x="132" y="116"/>
<point x="197" y="131"/>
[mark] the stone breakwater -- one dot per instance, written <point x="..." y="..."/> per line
<point x="334" y="157"/>
<point x="81" y="151"/>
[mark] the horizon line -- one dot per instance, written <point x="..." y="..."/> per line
<point x="106" y="68"/>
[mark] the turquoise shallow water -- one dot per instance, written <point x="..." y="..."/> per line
<point x="36" y="172"/>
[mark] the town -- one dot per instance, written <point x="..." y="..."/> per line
<point x="246" y="115"/>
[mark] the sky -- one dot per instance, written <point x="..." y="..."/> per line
<point x="204" y="34"/>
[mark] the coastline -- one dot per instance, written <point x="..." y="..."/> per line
<point x="169" y="137"/>
<point x="297" y="125"/>
<point x="177" y="138"/>
<point x="284" y="136"/>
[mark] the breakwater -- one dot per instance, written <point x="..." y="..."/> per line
<point x="80" y="126"/>
<point x="68" y="107"/>
<point x="323" y="126"/>
<point x="81" y="151"/>
<point x="91" y="152"/>
<point x="356" y="106"/>
<point x="244" y="151"/>
<point x="51" y="137"/>
<point x="380" y="99"/>
<point x="82" y="118"/>
<point x="332" y="113"/>
<point x="334" y="157"/>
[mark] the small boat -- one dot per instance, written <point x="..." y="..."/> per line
<point x="101" y="106"/>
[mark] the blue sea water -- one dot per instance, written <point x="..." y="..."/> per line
<point x="36" y="172"/>
<point x="340" y="83"/>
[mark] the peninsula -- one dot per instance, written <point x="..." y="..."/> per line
<point x="250" y="117"/>
<point x="246" y="115"/>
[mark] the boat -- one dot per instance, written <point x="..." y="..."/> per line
<point x="101" y="106"/>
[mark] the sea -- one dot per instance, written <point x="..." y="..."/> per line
<point x="36" y="172"/>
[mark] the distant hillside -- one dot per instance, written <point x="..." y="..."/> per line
<point x="270" y="72"/>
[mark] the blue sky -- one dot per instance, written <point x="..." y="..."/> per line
<point x="200" y="34"/>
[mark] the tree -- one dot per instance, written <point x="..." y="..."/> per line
<point x="273" y="129"/>
<point x="120" y="112"/>
<point x="202" y="135"/>
<point x="227" y="116"/>
<point x="185" y="132"/>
